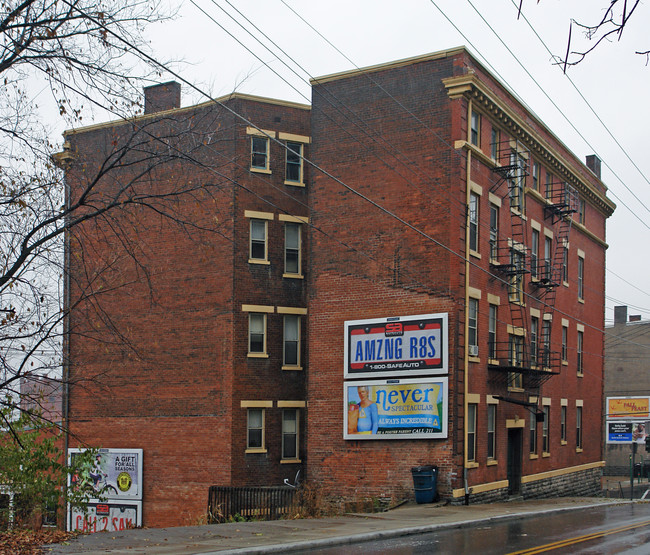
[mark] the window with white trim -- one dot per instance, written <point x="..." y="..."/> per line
<point x="548" y="258"/>
<point x="546" y="343"/>
<point x="294" y="162"/>
<point x="565" y="332"/>
<point x="472" y="322"/>
<point x="471" y="431"/>
<point x="473" y="221"/>
<point x="494" y="231"/>
<point x="291" y="350"/>
<point x="256" y="333"/>
<point x="533" y="433"/>
<point x="534" y="340"/>
<point x="255" y="429"/>
<point x="492" y="331"/>
<point x="258" y="240"/>
<point x="581" y="278"/>
<point x="534" y="253"/>
<point x="259" y="153"/>
<point x="292" y="248"/>
<point x="491" y="430"/>
<point x="494" y="145"/>
<point x="475" y="131"/>
<point x="290" y="427"/>
<point x="580" y="353"/>
<point x="546" y="444"/>
<point x="563" y="423"/>
<point x="578" y="427"/>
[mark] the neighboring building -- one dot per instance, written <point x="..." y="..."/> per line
<point x="43" y="396"/>
<point x="433" y="192"/>
<point x="627" y="359"/>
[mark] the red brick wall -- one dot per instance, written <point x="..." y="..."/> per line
<point x="158" y="339"/>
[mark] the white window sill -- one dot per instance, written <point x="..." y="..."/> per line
<point x="261" y="170"/>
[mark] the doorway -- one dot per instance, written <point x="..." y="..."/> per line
<point x="514" y="460"/>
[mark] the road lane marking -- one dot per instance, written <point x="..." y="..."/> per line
<point x="580" y="539"/>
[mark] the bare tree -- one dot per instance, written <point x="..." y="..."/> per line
<point x="610" y="26"/>
<point x="65" y="57"/>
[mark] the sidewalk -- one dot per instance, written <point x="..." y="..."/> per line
<point x="287" y="535"/>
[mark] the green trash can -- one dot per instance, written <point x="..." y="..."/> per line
<point x="425" y="483"/>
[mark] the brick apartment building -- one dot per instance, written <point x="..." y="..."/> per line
<point x="214" y="340"/>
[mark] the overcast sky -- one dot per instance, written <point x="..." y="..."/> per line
<point x="613" y="79"/>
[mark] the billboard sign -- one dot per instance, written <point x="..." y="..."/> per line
<point x="398" y="345"/>
<point x="628" y="408"/>
<point x="627" y="432"/>
<point x="112" y="474"/>
<point x="105" y="517"/>
<point x="396" y="409"/>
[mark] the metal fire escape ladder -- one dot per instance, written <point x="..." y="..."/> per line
<point x="562" y="202"/>
<point x="508" y="258"/>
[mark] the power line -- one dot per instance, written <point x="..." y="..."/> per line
<point x="352" y="190"/>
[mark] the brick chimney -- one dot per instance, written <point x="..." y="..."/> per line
<point x="165" y="96"/>
<point x="620" y="315"/>
<point x="593" y="163"/>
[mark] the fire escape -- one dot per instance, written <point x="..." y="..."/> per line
<point x="523" y="362"/>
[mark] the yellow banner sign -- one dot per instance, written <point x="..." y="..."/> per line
<point x="628" y="407"/>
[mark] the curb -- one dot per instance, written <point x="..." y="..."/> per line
<point x="398" y="532"/>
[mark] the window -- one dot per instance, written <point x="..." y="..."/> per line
<point x="260" y="153"/>
<point x="516" y="290"/>
<point x="291" y="352"/>
<point x="491" y="431"/>
<point x="545" y="426"/>
<point x="536" y="176"/>
<point x="475" y="131"/>
<point x="534" y="340"/>
<point x="549" y="185"/>
<point x="581" y="210"/>
<point x="565" y="264"/>
<point x="581" y="278"/>
<point x="563" y="424"/>
<point x="579" y="349"/>
<point x="472" y="323"/>
<point x="471" y="431"/>
<point x="492" y="331"/>
<point x="548" y="258"/>
<point x="578" y="427"/>
<point x="546" y="344"/>
<point x="292" y="250"/>
<point x="534" y="253"/>
<point x="533" y="433"/>
<point x="516" y="354"/>
<point x="294" y="168"/>
<point x="517" y="181"/>
<point x="258" y="250"/>
<point x="564" y="343"/>
<point x="494" y="231"/>
<point x="256" y="333"/>
<point x="255" y="435"/>
<point x="473" y="222"/>
<point x="494" y="145"/>
<point x="290" y="434"/>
